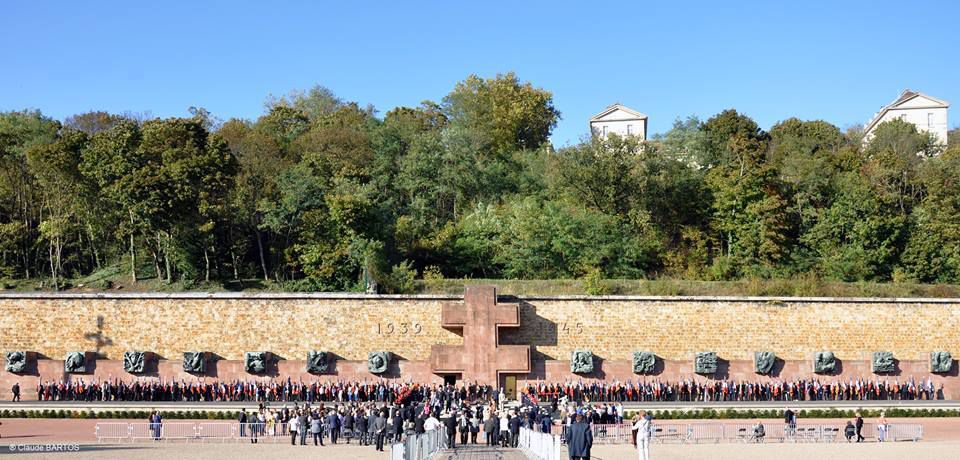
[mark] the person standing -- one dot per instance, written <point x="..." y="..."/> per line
<point x="642" y="428"/>
<point x="333" y="424"/>
<point x="450" y="425"/>
<point x="488" y="429"/>
<point x="293" y="428"/>
<point x="372" y="427"/>
<point x="302" y="427"/>
<point x="858" y="424"/>
<point x="504" y="429"/>
<point x="16" y="391"/>
<point x="882" y="427"/>
<point x="398" y="426"/>
<point x="242" y="418"/>
<point x="316" y="430"/>
<point x="580" y="439"/>
<point x="380" y="429"/>
<point x="514" y="430"/>
<point x="463" y="424"/>
<point x="474" y="425"/>
<point x="361" y="423"/>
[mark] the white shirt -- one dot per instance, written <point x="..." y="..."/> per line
<point x="642" y="426"/>
<point x="431" y="423"/>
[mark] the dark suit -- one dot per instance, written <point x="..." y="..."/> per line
<point x="514" y="431"/>
<point x="333" y="421"/>
<point x="579" y="441"/>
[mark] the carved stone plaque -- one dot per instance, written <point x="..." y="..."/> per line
<point x="16" y="362"/>
<point x="581" y="362"/>
<point x="824" y="362"/>
<point x="255" y="362"/>
<point x="194" y="362"/>
<point x="705" y="363"/>
<point x="882" y="362"/>
<point x="644" y="362"/>
<point x="378" y="361"/>
<point x="763" y="362"/>
<point x="941" y="362"/>
<point x="134" y="362"/>
<point x="75" y="362"/>
<point x="318" y="362"/>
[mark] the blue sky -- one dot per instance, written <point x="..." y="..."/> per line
<point x="832" y="60"/>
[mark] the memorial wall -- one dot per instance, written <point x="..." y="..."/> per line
<point x="424" y="338"/>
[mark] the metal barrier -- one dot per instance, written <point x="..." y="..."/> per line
<point x="697" y="432"/>
<point x="668" y="432"/>
<point x="216" y="431"/>
<point x="177" y="430"/>
<point x="140" y="431"/>
<point x="419" y="446"/>
<point x="541" y="446"/>
<point x="903" y="431"/>
<point x="118" y="431"/>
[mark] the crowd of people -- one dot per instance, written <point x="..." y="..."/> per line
<point x="739" y="390"/>
<point x="654" y="390"/>
<point x="203" y="390"/>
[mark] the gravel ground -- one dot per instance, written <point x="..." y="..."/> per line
<point x="873" y="451"/>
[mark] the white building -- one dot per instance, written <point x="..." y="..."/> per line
<point x="925" y="112"/>
<point x="620" y="120"/>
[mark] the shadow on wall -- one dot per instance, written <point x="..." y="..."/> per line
<point x="534" y="330"/>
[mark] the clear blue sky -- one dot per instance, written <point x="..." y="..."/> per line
<point x="832" y="60"/>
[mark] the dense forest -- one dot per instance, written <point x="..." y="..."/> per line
<point x="320" y="193"/>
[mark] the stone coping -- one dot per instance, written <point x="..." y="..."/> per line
<point x="452" y="297"/>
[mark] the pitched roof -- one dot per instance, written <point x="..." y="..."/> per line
<point x="614" y="107"/>
<point x="905" y="96"/>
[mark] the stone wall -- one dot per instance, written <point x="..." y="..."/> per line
<point x="349" y="326"/>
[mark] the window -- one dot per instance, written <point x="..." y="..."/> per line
<point x="930" y="120"/>
<point x="629" y="129"/>
<point x="604" y="130"/>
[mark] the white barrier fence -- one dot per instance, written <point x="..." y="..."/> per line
<point x="745" y="432"/>
<point x="425" y="445"/>
<point x="419" y="446"/>
<point x="541" y="446"/>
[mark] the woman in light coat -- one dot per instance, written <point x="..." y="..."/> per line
<point x="642" y="427"/>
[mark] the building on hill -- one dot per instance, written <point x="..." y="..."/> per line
<point x="927" y="113"/>
<point x="621" y="120"/>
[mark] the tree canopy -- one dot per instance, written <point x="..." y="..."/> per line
<point x="321" y="193"/>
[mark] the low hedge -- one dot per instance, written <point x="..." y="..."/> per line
<point x="119" y="414"/>
<point x="710" y="414"/>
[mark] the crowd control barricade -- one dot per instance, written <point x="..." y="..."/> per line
<point x="173" y="431"/>
<point x="216" y="431"/>
<point x="419" y="446"/>
<point x="670" y="432"/>
<point x="697" y="432"/>
<point x="112" y="430"/>
<point x="612" y="434"/>
<point x="144" y="431"/>
<point x="904" y="432"/>
<point x="540" y="446"/>
<point x="743" y="432"/>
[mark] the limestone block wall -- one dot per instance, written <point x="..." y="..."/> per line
<point x="676" y="328"/>
<point x="351" y="325"/>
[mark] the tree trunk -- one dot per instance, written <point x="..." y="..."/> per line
<point x="206" y="261"/>
<point x="166" y="259"/>
<point x="133" y="253"/>
<point x="263" y="261"/>
<point x="53" y="270"/>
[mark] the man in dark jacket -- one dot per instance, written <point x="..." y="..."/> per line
<point x="580" y="439"/>
<point x="514" y="430"/>
<point x="488" y="429"/>
<point x="379" y="428"/>
<point x="859" y="426"/>
<point x="450" y="423"/>
<point x="242" y="418"/>
<point x="397" y="427"/>
<point x="333" y="421"/>
<point x="361" y="424"/>
<point x="418" y="425"/>
<point x="348" y="425"/>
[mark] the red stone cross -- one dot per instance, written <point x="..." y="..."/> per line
<point x="481" y="358"/>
